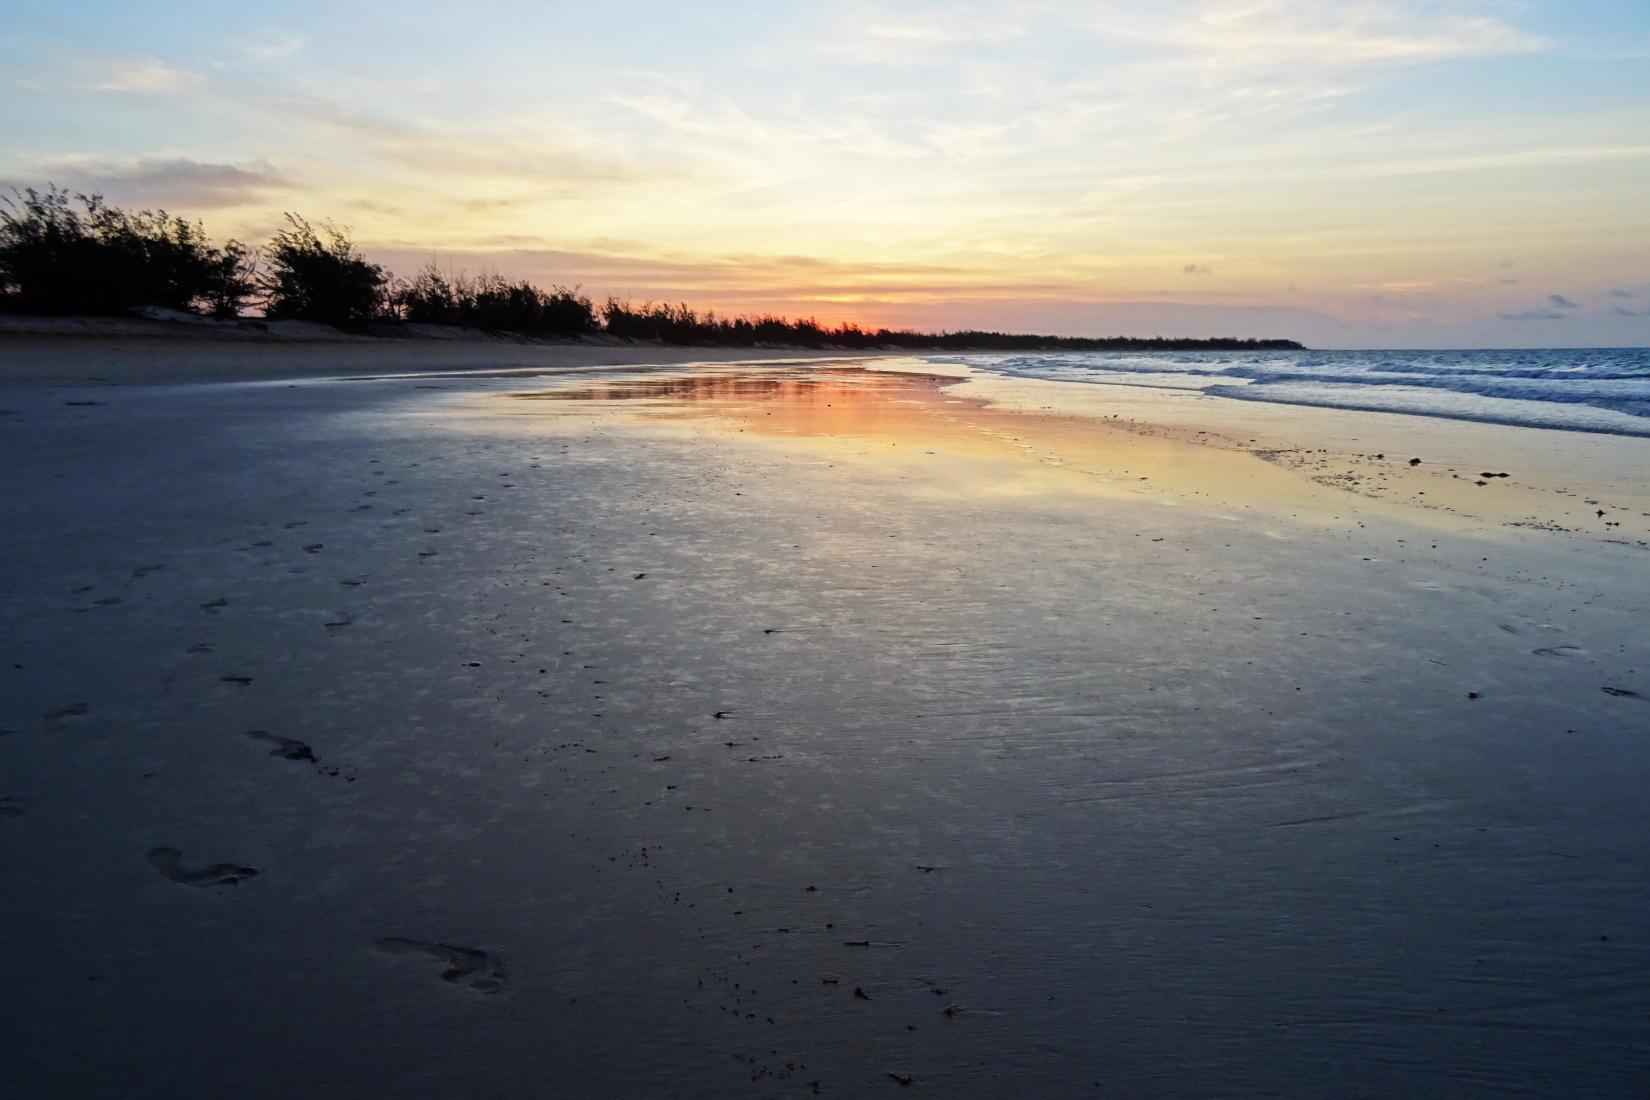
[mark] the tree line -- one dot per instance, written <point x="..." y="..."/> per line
<point x="64" y="252"/>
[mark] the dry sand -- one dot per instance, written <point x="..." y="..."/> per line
<point x="757" y="731"/>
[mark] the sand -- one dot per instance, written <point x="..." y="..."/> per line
<point x="91" y="352"/>
<point x="757" y="731"/>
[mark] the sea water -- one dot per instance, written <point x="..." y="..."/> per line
<point x="1592" y="390"/>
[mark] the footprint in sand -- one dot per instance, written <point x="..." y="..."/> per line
<point x="11" y="807"/>
<point x="216" y="874"/>
<point x="1559" y="651"/>
<point x="72" y="710"/>
<point x="286" y="748"/>
<point x="477" y="969"/>
<point x="1622" y="693"/>
<point x="212" y="607"/>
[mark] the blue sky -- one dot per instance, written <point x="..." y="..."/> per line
<point x="1369" y="173"/>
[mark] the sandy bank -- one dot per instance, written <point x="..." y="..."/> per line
<point x="118" y="352"/>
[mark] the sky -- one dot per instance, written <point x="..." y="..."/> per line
<point x="1350" y="173"/>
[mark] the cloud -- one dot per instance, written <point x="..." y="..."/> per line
<point x="1248" y="34"/>
<point x="1196" y="269"/>
<point x="1621" y="292"/>
<point x="942" y="30"/>
<point x="1533" y="315"/>
<point x="176" y="182"/>
<point x="632" y="269"/>
<point x="142" y="76"/>
<point x="1623" y="311"/>
<point x="883" y="35"/>
<point x="275" y="44"/>
<point x="1558" y="301"/>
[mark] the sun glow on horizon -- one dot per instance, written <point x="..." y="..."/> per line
<point x="1389" y="172"/>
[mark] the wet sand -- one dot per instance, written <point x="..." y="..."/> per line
<point x="725" y="731"/>
<point x="145" y="353"/>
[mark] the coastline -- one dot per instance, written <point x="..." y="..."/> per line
<point x="1556" y="480"/>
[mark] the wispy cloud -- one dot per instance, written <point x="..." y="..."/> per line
<point x="913" y="34"/>
<point x="273" y="44"/>
<point x="941" y="29"/>
<point x="1534" y="315"/>
<point x="144" y="76"/>
<point x="1250" y="34"/>
<point x="1558" y="301"/>
<point x="164" y="181"/>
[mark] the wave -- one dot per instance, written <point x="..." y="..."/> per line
<point x="1584" y="390"/>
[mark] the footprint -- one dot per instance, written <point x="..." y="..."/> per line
<point x="145" y="570"/>
<point x="286" y="748"/>
<point x="240" y="680"/>
<point x="72" y="710"/>
<point x="11" y="807"/>
<point x="482" y="972"/>
<point x="216" y="874"/>
<point x="1559" y="651"/>
<point x="1622" y="693"/>
<point x="342" y="621"/>
<point x="212" y="607"/>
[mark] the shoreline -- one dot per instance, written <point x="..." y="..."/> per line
<point x="1208" y="450"/>
<point x="1559" y="479"/>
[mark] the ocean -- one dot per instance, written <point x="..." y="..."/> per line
<point x="1590" y="390"/>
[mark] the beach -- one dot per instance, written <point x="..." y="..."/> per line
<point x="489" y="719"/>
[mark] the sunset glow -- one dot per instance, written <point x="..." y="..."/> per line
<point x="1387" y="172"/>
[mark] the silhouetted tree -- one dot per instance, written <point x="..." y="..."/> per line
<point x="317" y="275"/>
<point x="62" y="252"/>
<point x="65" y="252"/>
<point x="232" y="278"/>
<point x="491" y="301"/>
<point x="428" y="298"/>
